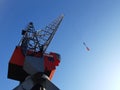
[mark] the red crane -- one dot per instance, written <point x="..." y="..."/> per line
<point x="29" y="63"/>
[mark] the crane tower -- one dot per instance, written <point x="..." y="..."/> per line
<point x="29" y="63"/>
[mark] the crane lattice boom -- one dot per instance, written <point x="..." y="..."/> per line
<point x="39" y="40"/>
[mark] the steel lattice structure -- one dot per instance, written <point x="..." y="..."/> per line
<point x="40" y="39"/>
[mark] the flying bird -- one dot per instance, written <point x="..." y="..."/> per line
<point x="87" y="48"/>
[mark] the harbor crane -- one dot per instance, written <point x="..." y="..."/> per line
<point x="30" y="64"/>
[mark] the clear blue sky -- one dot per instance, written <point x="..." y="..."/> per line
<point x="96" y="22"/>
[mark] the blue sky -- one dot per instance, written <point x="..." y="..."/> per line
<point x="96" y="22"/>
